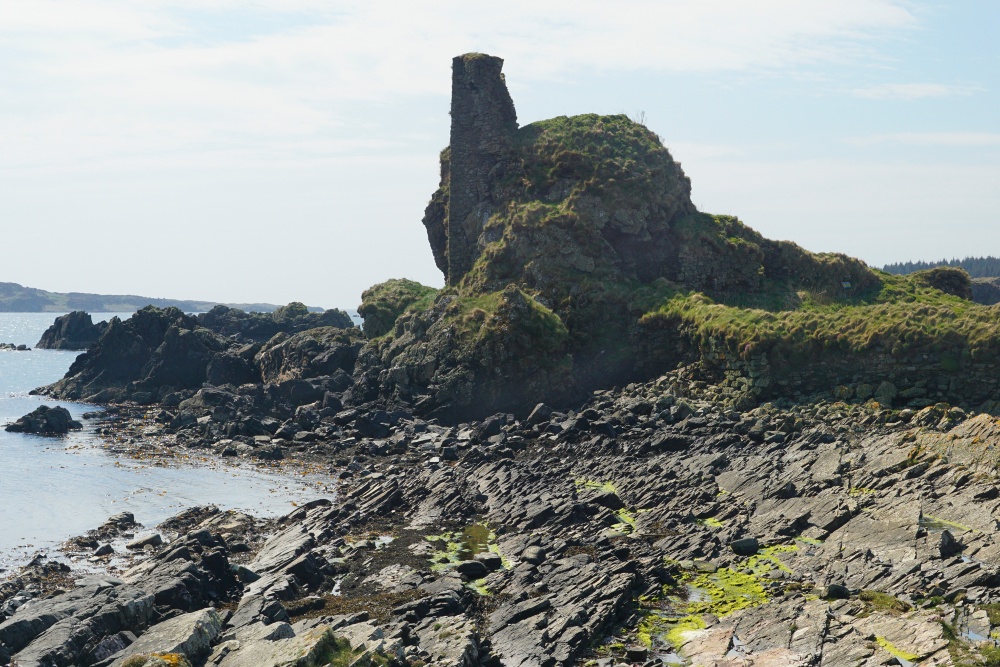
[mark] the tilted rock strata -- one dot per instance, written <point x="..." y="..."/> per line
<point x="566" y="538"/>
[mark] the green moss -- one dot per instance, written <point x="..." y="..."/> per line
<point x="767" y="559"/>
<point x="382" y="304"/>
<point x="728" y="590"/>
<point x="719" y="593"/>
<point x="937" y="523"/>
<point x="883" y="602"/>
<point x="607" y="487"/>
<point x="687" y="624"/>
<point x="458" y="546"/>
<point x="901" y="315"/>
<point x="710" y="522"/>
<point x="808" y="540"/>
<point x="479" y="587"/>
<point x="627" y="523"/>
<point x="896" y="652"/>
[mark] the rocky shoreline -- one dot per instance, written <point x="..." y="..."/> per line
<point x="654" y="508"/>
<point x="645" y="525"/>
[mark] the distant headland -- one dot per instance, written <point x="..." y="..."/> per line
<point x="15" y="298"/>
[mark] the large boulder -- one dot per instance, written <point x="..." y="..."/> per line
<point x="45" y="421"/>
<point x="190" y="635"/>
<point x="73" y="331"/>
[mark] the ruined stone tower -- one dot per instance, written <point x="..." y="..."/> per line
<point x="483" y="122"/>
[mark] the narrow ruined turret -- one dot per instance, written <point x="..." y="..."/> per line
<point x="483" y="122"/>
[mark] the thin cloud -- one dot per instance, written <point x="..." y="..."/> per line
<point x="914" y="91"/>
<point x="92" y="78"/>
<point x="944" y="139"/>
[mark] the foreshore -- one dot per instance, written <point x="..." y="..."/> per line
<point x="646" y="524"/>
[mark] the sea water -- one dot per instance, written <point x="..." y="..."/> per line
<point x="55" y="488"/>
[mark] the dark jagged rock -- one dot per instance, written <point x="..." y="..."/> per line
<point x="44" y="420"/>
<point x="260" y="327"/>
<point x="309" y="354"/>
<point x="473" y="362"/>
<point x="153" y="352"/>
<point x="73" y="331"/>
<point x="554" y="542"/>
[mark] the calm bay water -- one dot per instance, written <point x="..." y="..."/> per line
<point x="54" y="488"/>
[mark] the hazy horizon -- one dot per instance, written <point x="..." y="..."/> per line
<point x="272" y="152"/>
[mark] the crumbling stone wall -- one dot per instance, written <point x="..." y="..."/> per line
<point x="483" y="122"/>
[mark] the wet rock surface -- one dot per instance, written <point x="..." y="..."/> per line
<point x="45" y="420"/>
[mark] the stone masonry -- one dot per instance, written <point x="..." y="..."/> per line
<point x="483" y="121"/>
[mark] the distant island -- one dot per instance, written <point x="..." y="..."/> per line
<point x="15" y="298"/>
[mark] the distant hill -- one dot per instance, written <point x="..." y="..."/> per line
<point x="16" y="298"/>
<point x="976" y="267"/>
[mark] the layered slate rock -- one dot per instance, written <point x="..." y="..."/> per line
<point x="44" y="420"/>
<point x="73" y="331"/>
<point x="190" y="635"/>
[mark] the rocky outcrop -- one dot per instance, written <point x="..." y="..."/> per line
<point x="382" y="304"/>
<point x="310" y="354"/>
<point x="946" y="279"/>
<point x="156" y="354"/>
<point x="986" y="291"/>
<point x="590" y="219"/>
<point x="143" y="358"/>
<point x="460" y="359"/>
<point x="44" y="420"/>
<point x="73" y="331"/>
<point x="261" y="327"/>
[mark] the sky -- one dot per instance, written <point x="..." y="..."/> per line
<point x="279" y="150"/>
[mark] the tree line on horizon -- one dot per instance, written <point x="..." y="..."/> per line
<point x="976" y="267"/>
